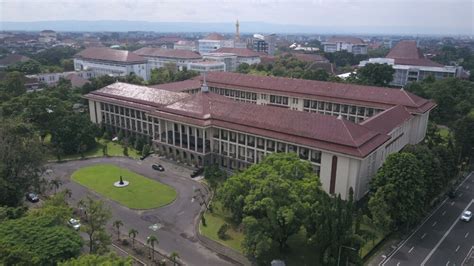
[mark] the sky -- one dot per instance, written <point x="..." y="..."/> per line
<point x="449" y="16"/>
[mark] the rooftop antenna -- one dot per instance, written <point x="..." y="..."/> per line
<point x="204" y="87"/>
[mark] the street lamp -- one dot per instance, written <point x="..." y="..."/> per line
<point x="339" y="256"/>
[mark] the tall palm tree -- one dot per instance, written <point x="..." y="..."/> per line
<point x="117" y="224"/>
<point x="55" y="184"/>
<point x="132" y="234"/>
<point x="151" y="240"/>
<point x="173" y="256"/>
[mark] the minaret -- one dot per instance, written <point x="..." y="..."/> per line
<point x="237" y="31"/>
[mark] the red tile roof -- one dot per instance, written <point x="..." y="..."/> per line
<point x="240" y="52"/>
<point x="167" y="53"/>
<point x="387" y="120"/>
<point x="107" y="54"/>
<point x="76" y="80"/>
<point x="208" y="109"/>
<point x="179" y="86"/>
<point x="407" y="53"/>
<point x="310" y="58"/>
<point x="371" y="96"/>
<point x="352" y="40"/>
<point x="13" y="59"/>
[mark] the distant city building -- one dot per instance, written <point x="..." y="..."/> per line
<point x="264" y="44"/>
<point x="350" y="44"/>
<point x="229" y="59"/>
<point x="77" y="78"/>
<point x="106" y="61"/>
<point x="185" y="45"/>
<point x="213" y="42"/>
<point x="244" y="55"/>
<point x="207" y="66"/>
<point x="12" y="59"/>
<point x="47" y="36"/>
<point x="410" y="65"/>
<point x="159" y="57"/>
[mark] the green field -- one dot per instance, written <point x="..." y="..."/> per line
<point x="141" y="193"/>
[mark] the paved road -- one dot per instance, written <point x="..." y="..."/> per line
<point x="175" y="221"/>
<point x="442" y="239"/>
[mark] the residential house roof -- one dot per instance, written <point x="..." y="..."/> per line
<point x="240" y="52"/>
<point x="13" y="59"/>
<point x="348" y="39"/>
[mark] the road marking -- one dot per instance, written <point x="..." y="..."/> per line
<point x="423" y="236"/>
<point x="457" y="248"/>
<point x="444" y="237"/>
<point x="460" y="194"/>
<point x="443" y="213"/>
<point x="411" y="249"/>
<point x="447" y="263"/>
<point x="398" y="264"/>
<point x="467" y="187"/>
<point x="465" y="236"/>
<point x="452" y="203"/>
<point x="434" y="223"/>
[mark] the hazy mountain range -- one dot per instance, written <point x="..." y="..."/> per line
<point x="245" y="27"/>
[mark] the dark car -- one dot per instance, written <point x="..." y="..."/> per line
<point x="32" y="197"/>
<point x="197" y="172"/>
<point x="158" y="167"/>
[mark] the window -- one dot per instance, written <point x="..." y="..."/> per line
<point x="316" y="156"/>
<point x="306" y="103"/>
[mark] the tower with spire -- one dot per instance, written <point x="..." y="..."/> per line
<point x="237" y="31"/>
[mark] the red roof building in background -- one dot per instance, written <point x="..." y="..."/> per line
<point x="411" y="65"/>
<point x="344" y="131"/>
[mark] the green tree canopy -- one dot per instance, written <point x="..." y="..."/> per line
<point x="74" y="134"/>
<point x="375" y="74"/>
<point x="110" y="259"/>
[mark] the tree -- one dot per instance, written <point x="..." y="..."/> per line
<point x="92" y="259"/>
<point x="28" y="67"/>
<point x="37" y="239"/>
<point x="96" y="217"/>
<point x="243" y="68"/>
<point x="464" y="135"/>
<point x="125" y="150"/>
<point x="21" y="161"/>
<point x="376" y="74"/>
<point x="132" y="233"/>
<point x="55" y="184"/>
<point x="151" y="240"/>
<point x="14" y="83"/>
<point x="214" y="175"/>
<point x="75" y="134"/>
<point x="174" y="256"/>
<point x="146" y="149"/>
<point x="398" y="191"/>
<point x="117" y="224"/>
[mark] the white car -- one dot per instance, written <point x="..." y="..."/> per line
<point x="74" y="223"/>
<point x="466" y="216"/>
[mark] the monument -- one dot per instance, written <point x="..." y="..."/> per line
<point x="121" y="183"/>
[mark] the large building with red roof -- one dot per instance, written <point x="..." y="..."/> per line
<point x="107" y="61"/>
<point x="411" y="65"/>
<point x="345" y="131"/>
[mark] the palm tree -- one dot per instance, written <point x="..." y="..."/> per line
<point x="132" y="234"/>
<point x="67" y="192"/>
<point x="117" y="224"/>
<point x="173" y="256"/>
<point x="151" y="241"/>
<point x="55" y="184"/>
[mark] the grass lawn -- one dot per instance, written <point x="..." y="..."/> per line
<point x="141" y="193"/>
<point x="444" y="133"/>
<point x="113" y="149"/>
<point x="214" y="221"/>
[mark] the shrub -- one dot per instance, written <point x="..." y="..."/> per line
<point x="125" y="242"/>
<point x="222" y="232"/>
<point x="203" y="220"/>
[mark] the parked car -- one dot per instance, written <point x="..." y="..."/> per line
<point x="197" y="172"/>
<point x="466" y="216"/>
<point x="74" y="223"/>
<point x="158" y="167"/>
<point x="32" y="197"/>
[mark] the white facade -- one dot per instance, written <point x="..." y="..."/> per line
<point x="53" y="78"/>
<point x="207" y="46"/>
<point x="331" y="47"/>
<point x="207" y="66"/>
<point x="113" y="68"/>
<point x="404" y="74"/>
<point x="230" y="60"/>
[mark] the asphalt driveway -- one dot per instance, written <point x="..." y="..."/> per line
<point x="172" y="224"/>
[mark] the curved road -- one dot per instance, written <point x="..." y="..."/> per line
<point x="175" y="221"/>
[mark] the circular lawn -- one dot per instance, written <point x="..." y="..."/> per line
<point x="141" y="193"/>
